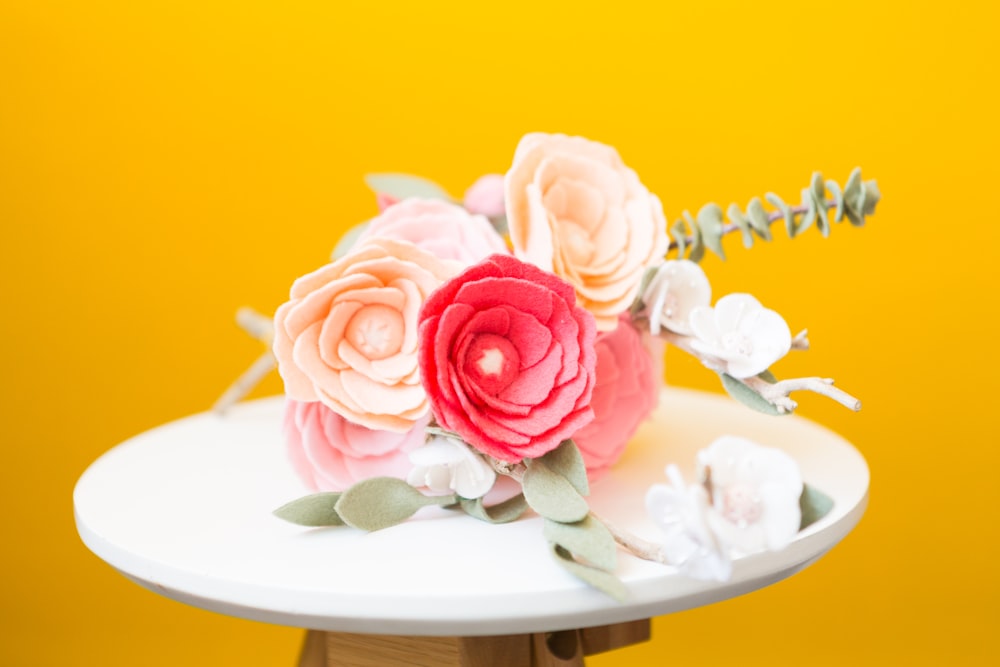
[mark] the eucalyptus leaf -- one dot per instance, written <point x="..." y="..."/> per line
<point x="736" y="216"/>
<point x="814" y="505"/>
<point x="312" y="510"/>
<point x="599" y="579"/>
<point x="786" y="212"/>
<point x="809" y="216"/>
<point x="638" y="305"/>
<point x="697" y="243"/>
<point x="504" y="512"/>
<point x="499" y="223"/>
<point x="552" y="495"/>
<point x="872" y="197"/>
<point x="680" y="237"/>
<point x="588" y="539"/>
<point x="403" y="186"/>
<point x="567" y="461"/>
<point x="380" y="502"/>
<point x="347" y="241"/>
<point x="758" y="219"/>
<point x="819" y="196"/>
<point x="767" y="376"/>
<point x="747" y="396"/>
<point x="710" y="223"/>
<point x="838" y="197"/>
<point x="854" y="197"/>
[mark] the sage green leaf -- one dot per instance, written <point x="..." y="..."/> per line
<point x="499" y="223"/>
<point x="588" y="539"/>
<point x="758" y="219"/>
<point x="854" y="198"/>
<point x="505" y="512"/>
<point x="809" y="215"/>
<point x="603" y="581"/>
<point x="437" y="430"/>
<point x="680" y="237"/>
<point x="403" y="186"/>
<point x="710" y="223"/>
<point x="819" y="196"/>
<point x="814" y="505"/>
<point x="697" y="243"/>
<point x="313" y="510"/>
<point x="872" y="197"/>
<point x="737" y="218"/>
<point x="786" y="212"/>
<point x="551" y="494"/>
<point x="567" y="461"/>
<point x="380" y="502"/>
<point x="348" y="240"/>
<point x="838" y="198"/>
<point x="638" y="305"/>
<point x="747" y="396"/>
<point x="767" y="376"/>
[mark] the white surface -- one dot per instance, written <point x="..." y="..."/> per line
<point x="185" y="510"/>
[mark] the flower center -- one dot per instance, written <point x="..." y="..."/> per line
<point x="736" y="342"/>
<point x="579" y="246"/>
<point x="376" y="331"/>
<point x="492" y="362"/>
<point x="741" y="505"/>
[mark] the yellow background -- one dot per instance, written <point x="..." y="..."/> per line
<point x="163" y="163"/>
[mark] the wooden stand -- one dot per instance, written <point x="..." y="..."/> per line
<point x="566" y="648"/>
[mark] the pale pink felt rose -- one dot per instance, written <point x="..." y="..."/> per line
<point x="348" y="334"/>
<point x="445" y="230"/>
<point x="330" y="453"/>
<point x="486" y="196"/>
<point x="575" y="209"/>
<point x="629" y="375"/>
<point x="508" y="358"/>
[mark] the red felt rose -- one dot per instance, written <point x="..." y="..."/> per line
<point x="507" y="358"/>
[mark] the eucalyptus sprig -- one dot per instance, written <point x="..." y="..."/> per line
<point x="854" y="201"/>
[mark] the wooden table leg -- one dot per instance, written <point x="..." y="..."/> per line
<point x="565" y="648"/>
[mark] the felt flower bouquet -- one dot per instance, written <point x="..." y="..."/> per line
<point x="519" y="334"/>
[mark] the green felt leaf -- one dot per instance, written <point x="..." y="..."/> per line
<point x="758" y="219"/>
<point x="767" y="376"/>
<point x="747" y="396"/>
<point x="697" y="242"/>
<point x="588" y="539"/>
<point x="505" y="512"/>
<point x="814" y="505"/>
<point x="786" y="212"/>
<point x="679" y="233"/>
<point x="710" y="223"/>
<point x="736" y="217"/>
<point x="818" y="194"/>
<point x="313" y="510"/>
<point x="809" y="216"/>
<point x="551" y="494"/>
<point x="638" y="305"/>
<point x="872" y="197"/>
<point x="567" y="461"/>
<point x="437" y="430"/>
<point x="599" y="579"/>
<point x="499" y="223"/>
<point x="854" y="199"/>
<point x="402" y="186"/>
<point x="380" y="502"/>
<point x="348" y="240"/>
<point x="834" y="188"/>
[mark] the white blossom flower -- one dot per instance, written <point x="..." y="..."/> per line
<point x="678" y="287"/>
<point x="446" y="465"/>
<point x="689" y="545"/>
<point x="754" y="494"/>
<point x="741" y="333"/>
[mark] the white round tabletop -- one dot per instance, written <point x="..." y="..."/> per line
<point x="186" y="511"/>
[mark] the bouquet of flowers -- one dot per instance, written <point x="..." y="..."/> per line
<point x="518" y="334"/>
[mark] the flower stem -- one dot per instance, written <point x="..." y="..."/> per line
<point x="772" y="217"/>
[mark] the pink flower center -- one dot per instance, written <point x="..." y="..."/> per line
<point x="376" y="331"/>
<point x="492" y="362"/>
<point x="741" y="505"/>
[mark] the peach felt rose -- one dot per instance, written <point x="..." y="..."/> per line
<point x="575" y="209"/>
<point x="330" y="453"/>
<point x="442" y="229"/>
<point x="507" y="358"/>
<point x="348" y="335"/>
<point x="629" y="372"/>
